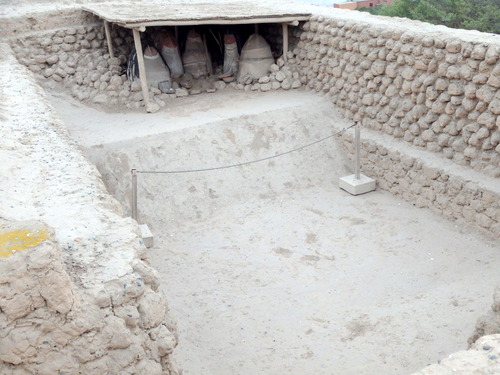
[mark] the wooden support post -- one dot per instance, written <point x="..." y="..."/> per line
<point x="108" y="39"/>
<point x="256" y="28"/>
<point x="142" y="69"/>
<point x="284" y="27"/>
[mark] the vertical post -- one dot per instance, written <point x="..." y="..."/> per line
<point x="176" y="32"/>
<point x="256" y="28"/>
<point x="284" y="27"/>
<point x="108" y="39"/>
<point x="357" y="145"/>
<point x="134" y="194"/>
<point x="142" y="68"/>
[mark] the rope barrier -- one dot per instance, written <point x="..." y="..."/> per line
<point x="135" y="172"/>
<point x="247" y="162"/>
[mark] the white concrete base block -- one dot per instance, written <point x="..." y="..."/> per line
<point x="357" y="186"/>
<point x="146" y="235"/>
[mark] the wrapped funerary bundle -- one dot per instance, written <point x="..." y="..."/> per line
<point x="169" y="49"/>
<point x="231" y="57"/>
<point x="157" y="73"/>
<point x="195" y="58"/>
<point x="256" y="59"/>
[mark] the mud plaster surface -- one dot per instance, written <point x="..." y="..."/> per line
<point x="310" y="280"/>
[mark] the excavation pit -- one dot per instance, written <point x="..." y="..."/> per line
<point x="270" y="267"/>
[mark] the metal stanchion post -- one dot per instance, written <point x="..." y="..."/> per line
<point x="357" y="142"/>
<point x="134" y="194"/>
<point x="357" y="183"/>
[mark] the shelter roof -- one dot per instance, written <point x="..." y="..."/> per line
<point x="203" y="13"/>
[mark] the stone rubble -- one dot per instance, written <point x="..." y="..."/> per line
<point x="489" y="323"/>
<point x="483" y="358"/>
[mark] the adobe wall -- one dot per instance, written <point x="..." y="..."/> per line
<point x="433" y="90"/>
<point x="430" y="91"/>
<point x="75" y="57"/>
<point x="77" y="294"/>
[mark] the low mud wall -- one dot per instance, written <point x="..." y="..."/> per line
<point x="77" y="294"/>
<point x="455" y="192"/>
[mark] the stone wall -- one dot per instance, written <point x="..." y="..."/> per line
<point x="77" y="294"/>
<point x="428" y="89"/>
<point x="467" y="197"/>
<point x="433" y="89"/>
<point x="428" y="99"/>
<point x="77" y="58"/>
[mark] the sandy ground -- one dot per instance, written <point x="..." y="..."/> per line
<point x="320" y="282"/>
<point x="311" y="280"/>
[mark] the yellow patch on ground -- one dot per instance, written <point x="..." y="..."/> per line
<point x="19" y="240"/>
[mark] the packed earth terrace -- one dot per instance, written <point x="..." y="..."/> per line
<point x="267" y="267"/>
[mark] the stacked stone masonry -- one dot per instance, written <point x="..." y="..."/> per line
<point x="457" y="198"/>
<point x="83" y="299"/>
<point x="431" y="90"/>
<point x="78" y="59"/>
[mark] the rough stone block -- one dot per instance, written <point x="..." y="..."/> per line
<point x="147" y="235"/>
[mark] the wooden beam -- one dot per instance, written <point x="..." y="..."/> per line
<point x="194" y="22"/>
<point x="142" y="68"/>
<point x="284" y="27"/>
<point x="108" y="39"/>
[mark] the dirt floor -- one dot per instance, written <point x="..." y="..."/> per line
<point x="306" y="279"/>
